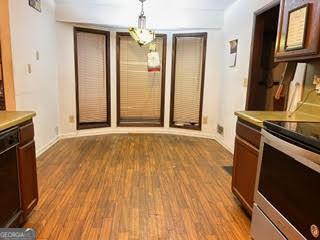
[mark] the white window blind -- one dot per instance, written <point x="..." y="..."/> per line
<point x="189" y="60"/>
<point x="92" y="78"/>
<point x="140" y="91"/>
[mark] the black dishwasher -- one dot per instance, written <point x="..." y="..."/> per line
<point x="10" y="209"/>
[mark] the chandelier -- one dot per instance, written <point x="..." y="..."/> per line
<point x="140" y="34"/>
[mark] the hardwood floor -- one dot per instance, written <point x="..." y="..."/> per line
<point x="137" y="187"/>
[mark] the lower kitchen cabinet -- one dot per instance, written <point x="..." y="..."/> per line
<point x="27" y="169"/>
<point x="18" y="175"/>
<point x="245" y="163"/>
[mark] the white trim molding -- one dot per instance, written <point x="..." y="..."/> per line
<point x="102" y="131"/>
<point x="173" y="131"/>
<point x="44" y="148"/>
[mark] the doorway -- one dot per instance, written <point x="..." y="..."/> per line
<point x="264" y="74"/>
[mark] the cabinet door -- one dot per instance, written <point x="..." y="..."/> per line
<point x="310" y="48"/>
<point x="28" y="177"/>
<point x="245" y="163"/>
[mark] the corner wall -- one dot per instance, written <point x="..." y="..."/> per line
<point x="238" y="24"/>
<point x="32" y="31"/>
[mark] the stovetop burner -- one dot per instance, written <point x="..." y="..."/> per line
<point x="306" y="133"/>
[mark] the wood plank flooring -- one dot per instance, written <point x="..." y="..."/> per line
<point x="137" y="187"/>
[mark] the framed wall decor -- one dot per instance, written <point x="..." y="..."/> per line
<point x="297" y="24"/>
<point x="232" y="60"/>
<point x="36" y="4"/>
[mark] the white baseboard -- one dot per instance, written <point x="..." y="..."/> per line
<point x="95" y="132"/>
<point x="47" y="146"/>
<point x="220" y="140"/>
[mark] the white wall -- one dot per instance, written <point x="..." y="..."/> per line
<point x="33" y="31"/>
<point x="238" y="24"/>
<point x="158" y="17"/>
<point x="66" y="75"/>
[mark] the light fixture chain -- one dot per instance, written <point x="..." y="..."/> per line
<point x="142" y="7"/>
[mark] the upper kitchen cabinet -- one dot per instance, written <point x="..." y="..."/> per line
<point x="7" y="93"/>
<point x="298" y="30"/>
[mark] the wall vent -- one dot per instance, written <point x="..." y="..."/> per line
<point x="220" y="129"/>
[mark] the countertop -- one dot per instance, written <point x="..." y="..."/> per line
<point x="9" y="119"/>
<point x="258" y="117"/>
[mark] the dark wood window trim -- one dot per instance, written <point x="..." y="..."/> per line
<point x="108" y="93"/>
<point x="173" y="74"/>
<point x="163" y="78"/>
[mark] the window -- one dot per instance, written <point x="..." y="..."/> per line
<point x="188" y="67"/>
<point x="92" y="78"/>
<point x="140" y="93"/>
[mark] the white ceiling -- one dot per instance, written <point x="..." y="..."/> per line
<point x="177" y="4"/>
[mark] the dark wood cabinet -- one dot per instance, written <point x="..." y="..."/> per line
<point x="2" y="98"/>
<point x="311" y="41"/>
<point x="27" y="169"/>
<point x="7" y="99"/>
<point x="245" y="163"/>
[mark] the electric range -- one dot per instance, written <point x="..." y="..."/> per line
<point x="287" y="192"/>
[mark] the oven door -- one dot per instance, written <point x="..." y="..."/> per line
<point x="288" y="187"/>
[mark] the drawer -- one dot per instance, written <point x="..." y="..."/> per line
<point x="26" y="133"/>
<point x="262" y="228"/>
<point x="248" y="133"/>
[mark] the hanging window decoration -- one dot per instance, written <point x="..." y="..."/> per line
<point x="153" y="59"/>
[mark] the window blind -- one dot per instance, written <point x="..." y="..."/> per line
<point x="92" y="84"/>
<point x="140" y="91"/>
<point x="187" y="82"/>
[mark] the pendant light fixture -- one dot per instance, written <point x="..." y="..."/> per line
<point x="140" y="34"/>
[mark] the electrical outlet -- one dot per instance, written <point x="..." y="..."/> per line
<point x="205" y="120"/>
<point x="56" y="130"/>
<point x="37" y="55"/>
<point x="71" y="119"/>
<point x="245" y="82"/>
<point x="29" y="68"/>
<point x="220" y="129"/>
